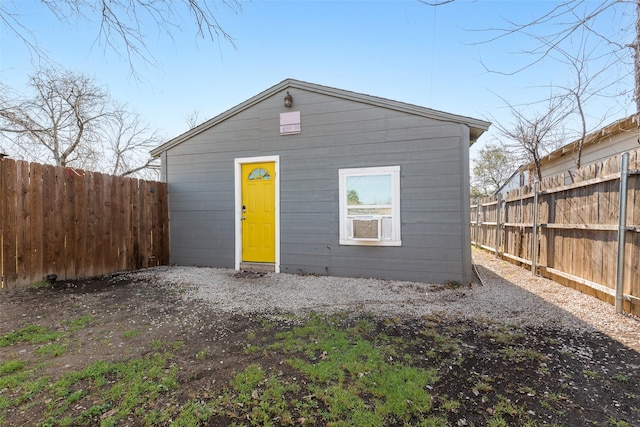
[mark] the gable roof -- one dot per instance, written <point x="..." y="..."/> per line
<point x="476" y="127"/>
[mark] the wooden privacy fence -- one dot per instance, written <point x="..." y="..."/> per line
<point x="56" y="220"/>
<point x="583" y="234"/>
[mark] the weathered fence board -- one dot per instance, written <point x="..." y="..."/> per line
<point x="56" y="220"/>
<point x="576" y="229"/>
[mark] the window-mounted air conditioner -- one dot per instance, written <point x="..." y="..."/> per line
<point x="366" y="229"/>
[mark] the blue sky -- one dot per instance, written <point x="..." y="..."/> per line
<point x="399" y="49"/>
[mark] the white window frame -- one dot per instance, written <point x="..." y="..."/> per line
<point x="394" y="172"/>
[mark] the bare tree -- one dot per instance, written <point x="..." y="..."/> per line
<point x="127" y="144"/>
<point x="571" y="19"/>
<point x="564" y="22"/>
<point x="122" y="25"/>
<point x="531" y="136"/>
<point x="71" y="121"/>
<point x="491" y="169"/>
<point x="193" y="119"/>
<point x="60" y="122"/>
<point x="586" y="86"/>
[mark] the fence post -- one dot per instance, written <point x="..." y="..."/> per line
<point x="534" y="230"/>
<point x="499" y="201"/>
<point x="477" y="221"/>
<point x="622" y="232"/>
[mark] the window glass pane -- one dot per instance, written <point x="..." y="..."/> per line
<point x="373" y="210"/>
<point x="259" y="173"/>
<point x="369" y="190"/>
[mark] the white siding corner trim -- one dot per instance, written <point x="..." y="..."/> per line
<point x="238" y="205"/>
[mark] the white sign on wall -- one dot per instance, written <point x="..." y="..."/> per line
<point x="290" y="123"/>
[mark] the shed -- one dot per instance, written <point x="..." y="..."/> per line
<point x="305" y="178"/>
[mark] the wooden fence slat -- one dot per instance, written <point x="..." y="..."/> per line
<point x="58" y="224"/>
<point x="81" y="214"/>
<point x="70" y="223"/>
<point x="23" y="215"/>
<point x="36" y="204"/>
<point x="147" y="237"/>
<point x="49" y="220"/>
<point x="3" y="165"/>
<point x="117" y="224"/>
<point x="163" y="221"/>
<point x="8" y="211"/>
<point x="106" y="214"/>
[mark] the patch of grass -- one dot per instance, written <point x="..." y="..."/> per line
<point x="358" y="382"/>
<point x="483" y="387"/>
<point x="328" y="370"/>
<point x="265" y="324"/>
<point x="131" y="333"/>
<point x="621" y="378"/>
<point x="497" y="421"/>
<point x="434" y="421"/>
<point x="80" y="323"/>
<point x="521" y="354"/>
<point x="11" y="366"/>
<point x="590" y="373"/>
<point x="619" y="423"/>
<point x="157" y="344"/>
<point x="450" y="405"/>
<point x="124" y="389"/>
<point x="505" y="406"/>
<point x="261" y="398"/>
<point x="192" y="414"/>
<point x="39" y="284"/>
<point x="33" y="334"/>
<point x="202" y="354"/>
<point x="527" y="390"/>
<point x="13" y="380"/>
<point x="54" y="349"/>
<point x="503" y="335"/>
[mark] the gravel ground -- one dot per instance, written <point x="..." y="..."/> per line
<point x="506" y="294"/>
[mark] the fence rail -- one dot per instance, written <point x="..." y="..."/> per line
<point x="56" y="220"/>
<point x="582" y="234"/>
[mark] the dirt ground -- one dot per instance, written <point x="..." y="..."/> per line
<point x="588" y="379"/>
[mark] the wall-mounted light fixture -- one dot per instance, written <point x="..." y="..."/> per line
<point x="288" y="100"/>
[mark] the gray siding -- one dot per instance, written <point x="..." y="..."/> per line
<point x="336" y="133"/>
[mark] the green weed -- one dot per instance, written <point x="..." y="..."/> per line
<point x="80" y="323"/>
<point x="33" y="334"/>
<point x="621" y="378"/>
<point x="11" y="366"/>
<point x="54" y="349"/>
<point x="131" y="333"/>
<point x="619" y="423"/>
<point x="590" y="373"/>
<point x="192" y="414"/>
<point x="202" y="354"/>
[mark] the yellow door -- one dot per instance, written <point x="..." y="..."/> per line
<point x="258" y="212"/>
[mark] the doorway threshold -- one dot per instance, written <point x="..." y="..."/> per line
<point x="258" y="267"/>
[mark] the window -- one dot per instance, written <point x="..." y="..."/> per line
<point x="370" y="206"/>
<point x="259" y="174"/>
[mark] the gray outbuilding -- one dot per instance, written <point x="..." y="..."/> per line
<point x="305" y="178"/>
